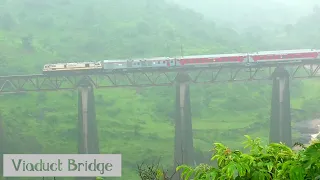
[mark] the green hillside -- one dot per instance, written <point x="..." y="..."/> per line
<point x="135" y="123"/>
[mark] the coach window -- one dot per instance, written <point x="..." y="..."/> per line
<point x="158" y="62"/>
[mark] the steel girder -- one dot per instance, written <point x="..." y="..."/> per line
<point x="151" y="77"/>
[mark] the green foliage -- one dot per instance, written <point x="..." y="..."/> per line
<point x="274" y="161"/>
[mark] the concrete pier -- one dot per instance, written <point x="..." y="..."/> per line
<point x="2" y="144"/>
<point x="88" y="141"/>
<point x="183" y="146"/>
<point x="280" y="121"/>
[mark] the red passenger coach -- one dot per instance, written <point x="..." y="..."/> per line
<point x="231" y="59"/>
<point x="213" y="59"/>
<point x="292" y="56"/>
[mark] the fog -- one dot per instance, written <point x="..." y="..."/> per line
<point x="80" y="76"/>
<point x="241" y="14"/>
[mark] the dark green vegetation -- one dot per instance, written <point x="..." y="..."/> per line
<point x="136" y="122"/>
<point x="275" y="161"/>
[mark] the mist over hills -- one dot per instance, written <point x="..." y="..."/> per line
<point x="139" y="124"/>
<point x="247" y="13"/>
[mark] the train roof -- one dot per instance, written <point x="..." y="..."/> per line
<point x="286" y="51"/>
<point x="114" y="60"/>
<point x="138" y="59"/>
<point x="214" y="55"/>
<point x="61" y="63"/>
<point x="156" y="58"/>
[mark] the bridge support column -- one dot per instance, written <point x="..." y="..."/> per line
<point x="183" y="144"/>
<point x="280" y="121"/>
<point x="2" y="144"/>
<point x="88" y="141"/>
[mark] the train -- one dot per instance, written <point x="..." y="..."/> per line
<point x="262" y="57"/>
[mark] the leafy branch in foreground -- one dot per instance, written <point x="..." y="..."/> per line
<point x="274" y="161"/>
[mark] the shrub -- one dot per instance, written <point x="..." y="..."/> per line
<point x="153" y="171"/>
<point x="274" y="161"/>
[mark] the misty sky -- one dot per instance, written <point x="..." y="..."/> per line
<point x="243" y="13"/>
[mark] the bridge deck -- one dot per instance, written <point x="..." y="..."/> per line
<point x="149" y="77"/>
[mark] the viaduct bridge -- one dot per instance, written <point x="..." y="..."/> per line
<point x="280" y="118"/>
